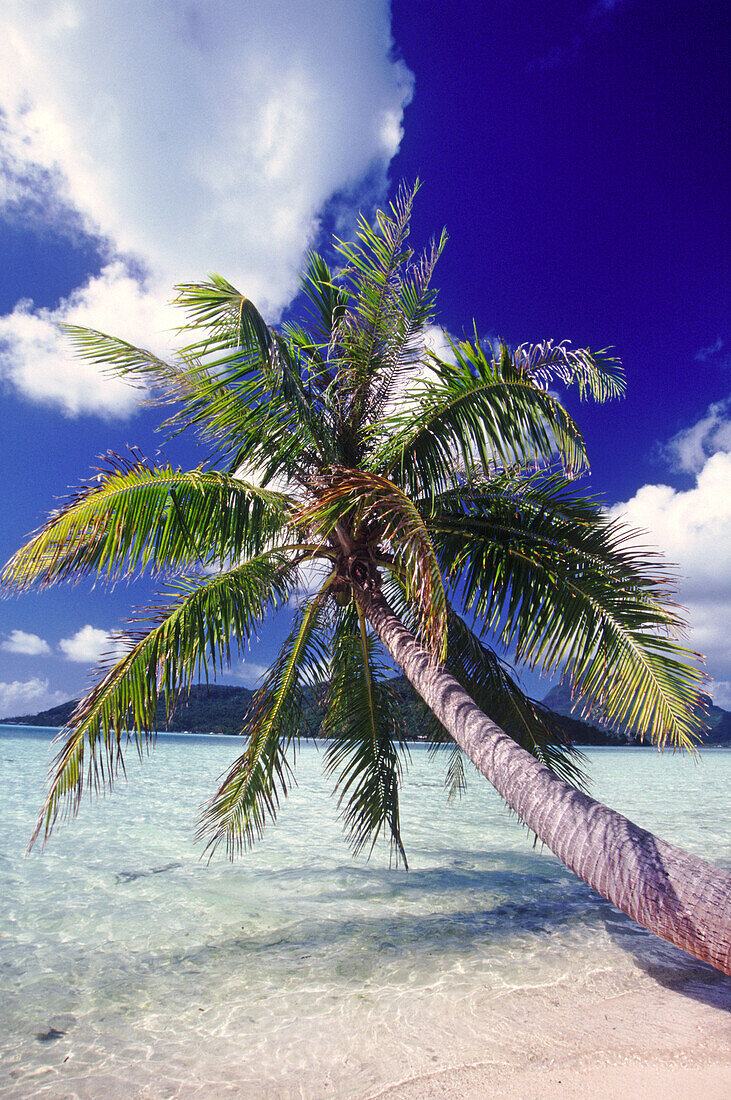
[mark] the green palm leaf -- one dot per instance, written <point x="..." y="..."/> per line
<point x="365" y="736"/>
<point x="135" y="516"/>
<point x="404" y="351"/>
<point x="250" y="409"/>
<point x="572" y="592"/>
<point x="195" y="631"/>
<point x="136" y="365"/>
<point x="226" y="317"/>
<point x="478" y="409"/>
<point x="597" y="374"/>
<point x="250" y="790"/>
<point x="238" y="385"/>
<point x="376" y="328"/>
<point x="327" y="304"/>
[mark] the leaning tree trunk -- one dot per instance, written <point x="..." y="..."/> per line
<point x="674" y="894"/>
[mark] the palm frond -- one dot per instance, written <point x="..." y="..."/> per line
<point x="251" y="390"/>
<point x="249" y="410"/>
<point x="360" y="500"/>
<point x="478" y="409"/>
<point x="365" y="736"/>
<point x="455" y="780"/>
<point x="481" y="672"/>
<point x="222" y="384"/>
<point x="196" y="631"/>
<point x="572" y="592"/>
<point x="135" y="515"/>
<point x="374" y="325"/>
<point x="250" y="790"/>
<point x="597" y="374"/>
<point x="225" y="316"/>
<point x="327" y="301"/>
<point x="440" y="741"/>
<point x="138" y="366"/>
<point x="405" y="348"/>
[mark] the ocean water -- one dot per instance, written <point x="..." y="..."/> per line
<point x="129" y="967"/>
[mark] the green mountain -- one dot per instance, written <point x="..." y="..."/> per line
<point x="220" y="708"/>
<point x="214" y="708"/>
<point x="559" y="700"/>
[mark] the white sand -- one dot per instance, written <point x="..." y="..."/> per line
<point x="661" y="1044"/>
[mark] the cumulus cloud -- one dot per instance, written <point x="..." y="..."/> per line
<point x="691" y="448"/>
<point x="310" y="579"/>
<point x="40" y="362"/>
<point x="191" y="138"/>
<point x="18" y="641"/>
<point x="89" y="644"/>
<point x="693" y="529"/>
<point x="23" y="696"/>
<point x="436" y="340"/>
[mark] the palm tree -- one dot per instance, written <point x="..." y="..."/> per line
<point x="432" y="496"/>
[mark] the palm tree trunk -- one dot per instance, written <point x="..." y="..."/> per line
<point x="674" y="894"/>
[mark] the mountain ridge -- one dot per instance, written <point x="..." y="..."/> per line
<point x="220" y="709"/>
<point x="559" y="700"/>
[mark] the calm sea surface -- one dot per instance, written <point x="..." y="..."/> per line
<point x="129" y="967"/>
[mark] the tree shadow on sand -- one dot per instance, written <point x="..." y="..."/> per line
<point x="667" y="965"/>
<point x="468" y="900"/>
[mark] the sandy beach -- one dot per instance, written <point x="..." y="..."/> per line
<point x="667" y="1038"/>
<point x="658" y="1044"/>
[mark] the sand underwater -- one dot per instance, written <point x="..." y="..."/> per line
<point x="131" y="968"/>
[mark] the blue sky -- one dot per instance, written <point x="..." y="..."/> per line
<point x="576" y="150"/>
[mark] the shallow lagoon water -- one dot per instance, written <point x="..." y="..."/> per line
<point x="131" y="967"/>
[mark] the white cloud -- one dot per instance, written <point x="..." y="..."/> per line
<point x="721" y="693"/>
<point x="689" y="449"/>
<point x="39" y="361"/>
<point x="26" y="696"/>
<point x="693" y="529"/>
<point x="250" y="672"/>
<point x="436" y="340"/>
<point x="311" y="576"/>
<point x="192" y="137"/>
<point x="89" y="644"/>
<point x="18" y="641"/>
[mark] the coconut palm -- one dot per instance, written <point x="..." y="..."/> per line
<point x="431" y="497"/>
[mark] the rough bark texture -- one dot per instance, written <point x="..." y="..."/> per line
<point x="674" y="894"/>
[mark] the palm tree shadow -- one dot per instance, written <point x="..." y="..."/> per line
<point x="667" y="965"/>
<point x="469" y="898"/>
<point x="561" y="898"/>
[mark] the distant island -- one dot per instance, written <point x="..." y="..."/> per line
<point x="220" y="708"/>
<point x="559" y="701"/>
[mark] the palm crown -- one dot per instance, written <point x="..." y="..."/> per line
<point x="444" y="483"/>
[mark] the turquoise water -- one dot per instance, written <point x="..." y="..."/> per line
<point x="130" y="967"/>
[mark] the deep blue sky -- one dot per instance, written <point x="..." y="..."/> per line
<point x="577" y="153"/>
<point x="580" y="163"/>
